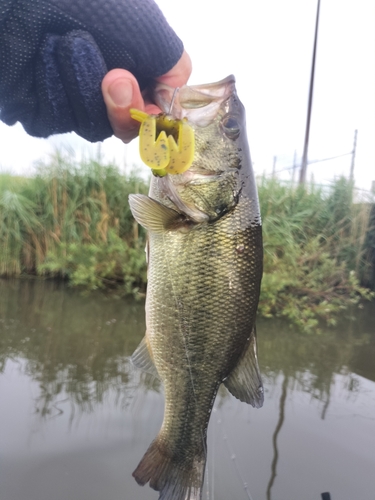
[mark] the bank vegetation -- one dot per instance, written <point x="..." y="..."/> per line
<point x="71" y="220"/>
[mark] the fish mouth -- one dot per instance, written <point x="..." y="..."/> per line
<point x="198" y="103"/>
<point x="215" y="90"/>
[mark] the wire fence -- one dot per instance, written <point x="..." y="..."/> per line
<point x="360" y="194"/>
<point x="296" y="166"/>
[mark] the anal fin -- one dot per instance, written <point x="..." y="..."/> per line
<point x="141" y="358"/>
<point x="245" y="382"/>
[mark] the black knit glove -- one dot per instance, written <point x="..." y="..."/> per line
<point x="55" y="53"/>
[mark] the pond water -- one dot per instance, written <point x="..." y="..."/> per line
<point x="76" y="418"/>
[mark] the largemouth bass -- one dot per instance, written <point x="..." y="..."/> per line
<point x="204" y="275"/>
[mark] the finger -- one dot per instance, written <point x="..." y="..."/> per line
<point x="179" y="74"/>
<point x="121" y="92"/>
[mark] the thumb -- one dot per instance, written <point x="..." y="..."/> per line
<point x="121" y="92"/>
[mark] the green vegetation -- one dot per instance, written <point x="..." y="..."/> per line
<point x="314" y="251"/>
<point x="72" y="220"/>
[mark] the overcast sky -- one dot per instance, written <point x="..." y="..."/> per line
<point x="267" y="45"/>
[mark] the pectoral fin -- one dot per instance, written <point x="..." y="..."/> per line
<point x="141" y="358"/>
<point x="245" y="382"/>
<point x="152" y="215"/>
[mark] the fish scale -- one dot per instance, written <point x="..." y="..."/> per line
<point x="204" y="274"/>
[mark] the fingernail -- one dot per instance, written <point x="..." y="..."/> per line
<point x="121" y="92"/>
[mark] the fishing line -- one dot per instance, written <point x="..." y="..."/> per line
<point x="178" y="307"/>
<point x="233" y="458"/>
<point x="213" y="457"/>
<point x="186" y="350"/>
<point x="173" y="99"/>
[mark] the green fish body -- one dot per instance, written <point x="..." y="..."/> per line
<point x="204" y="275"/>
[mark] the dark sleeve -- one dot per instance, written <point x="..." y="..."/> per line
<point x="54" y="54"/>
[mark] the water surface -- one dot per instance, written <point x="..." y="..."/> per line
<point x="75" y="418"/>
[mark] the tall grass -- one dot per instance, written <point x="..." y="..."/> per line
<point x="72" y="220"/>
<point x="315" y="252"/>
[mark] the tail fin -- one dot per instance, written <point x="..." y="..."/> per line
<point x="173" y="479"/>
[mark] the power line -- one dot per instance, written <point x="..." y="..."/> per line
<point x="291" y="167"/>
<point x="330" y="158"/>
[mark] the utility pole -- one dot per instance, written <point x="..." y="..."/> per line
<point x="353" y="156"/>
<point x="302" y="177"/>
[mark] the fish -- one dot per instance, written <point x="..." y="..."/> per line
<point x="205" y="258"/>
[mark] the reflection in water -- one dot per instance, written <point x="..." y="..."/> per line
<point x="82" y="343"/>
<point x="74" y="351"/>
<point x="326" y="404"/>
<point x="275" y="434"/>
<point x="78" y="345"/>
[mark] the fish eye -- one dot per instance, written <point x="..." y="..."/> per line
<point x="231" y="127"/>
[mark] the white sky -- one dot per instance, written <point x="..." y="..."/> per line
<point x="267" y="45"/>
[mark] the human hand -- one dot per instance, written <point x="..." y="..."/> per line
<point x="54" y="55"/>
<point x="121" y="92"/>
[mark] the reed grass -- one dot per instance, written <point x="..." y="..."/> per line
<point x="315" y="251"/>
<point x="72" y="220"/>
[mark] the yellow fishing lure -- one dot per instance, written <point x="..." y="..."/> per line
<point x="165" y="145"/>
